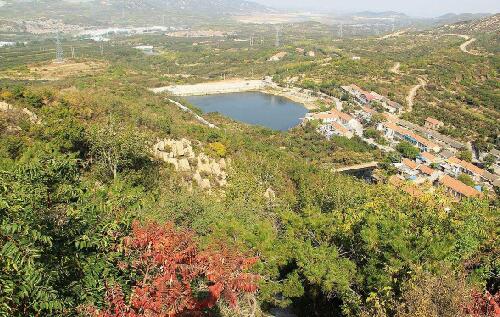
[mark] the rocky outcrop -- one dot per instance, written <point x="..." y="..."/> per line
<point x="206" y="172"/>
<point x="32" y="117"/>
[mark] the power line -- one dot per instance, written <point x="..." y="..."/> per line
<point x="59" y="50"/>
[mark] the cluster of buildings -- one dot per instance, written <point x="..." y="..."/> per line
<point x="437" y="165"/>
<point x="372" y="98"/>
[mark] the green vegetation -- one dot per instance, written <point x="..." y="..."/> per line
<point x="76" y="186"/>
<point x="407" y="150"/>
<point x="327" y="244"/>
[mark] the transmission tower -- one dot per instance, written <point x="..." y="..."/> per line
<point x="277" y="43"/>
<point x="59" y="50"/>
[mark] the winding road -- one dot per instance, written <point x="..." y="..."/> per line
<point x="464" y="45"/>
<point x="413" y="93"/>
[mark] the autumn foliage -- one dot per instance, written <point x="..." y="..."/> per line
<point x="484" y="305"/>
<point x="175" y="277"/>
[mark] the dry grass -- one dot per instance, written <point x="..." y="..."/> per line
<point x="55" y="71"/>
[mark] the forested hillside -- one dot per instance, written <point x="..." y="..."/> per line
<point x="327" y="244"/>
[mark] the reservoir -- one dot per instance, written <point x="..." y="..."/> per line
<point x="274" y="112"/>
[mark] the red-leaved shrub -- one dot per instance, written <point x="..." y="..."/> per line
<point x="175" y="277"/>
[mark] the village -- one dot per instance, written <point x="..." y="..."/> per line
<point x="437" y="164"/>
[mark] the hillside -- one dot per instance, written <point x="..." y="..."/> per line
<point x="148" y="12"/>
<point x="490" y="24"/>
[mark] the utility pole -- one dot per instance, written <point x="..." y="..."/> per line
<point x="393" y="27"/>
<point x="163" y="20"/>
<point x="102" y="49"/>
<point x="341" y="30"/>
<point x="277" y="43"/>
<point x="59" y="50"/>
<point x="72" y="52"/>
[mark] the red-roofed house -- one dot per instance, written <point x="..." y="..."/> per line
<point x="457" y="188"/>
<point x="393" y="131"/>
<point x="434" y="124"/>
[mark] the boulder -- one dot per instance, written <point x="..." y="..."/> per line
<point x="184" y="165"/>
<point x="222" y="163"/>
<point x="205" y="184"/>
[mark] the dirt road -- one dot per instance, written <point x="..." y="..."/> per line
<point x="413" y="93"/>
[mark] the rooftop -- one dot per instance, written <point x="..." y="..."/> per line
<point x="411" y="164"/>
<point x="426" y="169"/>
<point x="458" y="186"/>
<point x="406" y="132"/>
<point x="466" y="165"/>
<point x="339" y="128"/>
<point x="428" y="156"/>
<point x="332" y="114"/>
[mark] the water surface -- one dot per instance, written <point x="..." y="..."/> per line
<point x="275" y="112"/>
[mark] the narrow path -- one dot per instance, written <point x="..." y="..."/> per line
<point x="197" y="117"/>
<point x="413" y="93"/>
<point x="464" y="49"/>
<point x="395" y="68"/>
<point x="395" y="34"/>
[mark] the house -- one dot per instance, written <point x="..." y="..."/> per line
<point x="366" y="113"/>
<point x="427" y="171"/>
<point x="428" y="158"/>
<point x="433" y="135"/>
<point x="311" y="54"/>
<point x="458" y="166"/>
<point x="395" y="132"/>
<point x="358" y="93"/>
<point x="335" y="128"/>
<point x="342" y="118"/>
<point x="457" y="189"/>
<point x="377" y="96"/>
<point x="277" y="57"/>
<point x="433" y="124"/>
<point x="392" y="106"/>
<point x="446" y="154"/>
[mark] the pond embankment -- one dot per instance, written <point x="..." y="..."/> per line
<point x="305" y="97"/>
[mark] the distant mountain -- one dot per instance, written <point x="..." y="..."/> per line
<point x="381" y="15"/>
<point x="201" y="6"/>
<point x="105" y="12"/>
<point x="455" y="18"/>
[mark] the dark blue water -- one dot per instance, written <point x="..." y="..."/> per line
<point x="255" y="108"/>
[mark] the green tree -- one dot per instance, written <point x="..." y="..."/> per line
<point x="466" y="179"/>
<point x="489" y="160"/>
<point x="407" y="150"/>
<point x="115" y="148"/>
<point x="465" y="155"/>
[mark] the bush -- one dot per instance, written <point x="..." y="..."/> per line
<point x="407" y="150"/>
